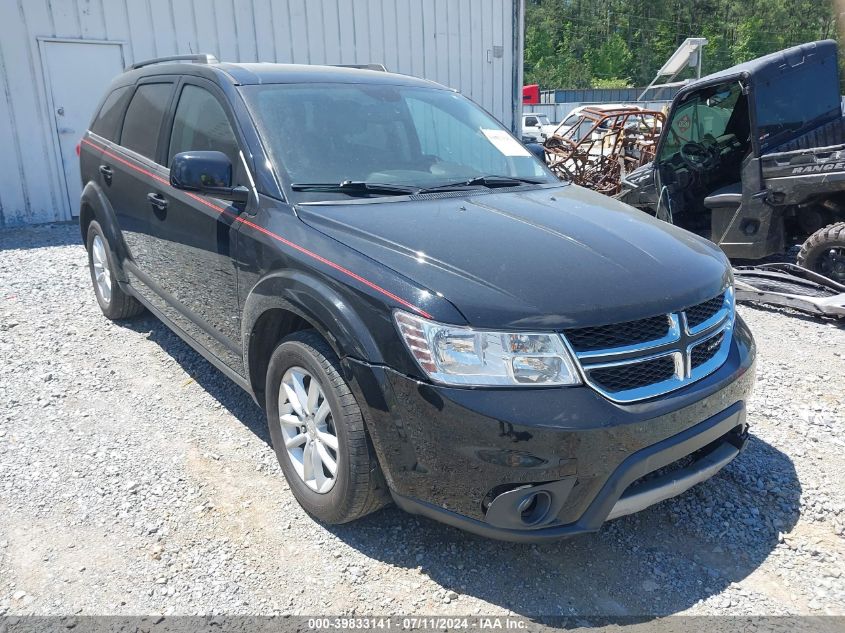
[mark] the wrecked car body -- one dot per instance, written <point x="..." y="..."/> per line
<point x="604" y="145"/>
<point x="745" y="163"/>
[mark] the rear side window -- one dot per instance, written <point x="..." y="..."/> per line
<point x="107" y="121"/>
<point x="143" y="118"/>
<point x="780" y="116"/>
<point x="200" y="123"/>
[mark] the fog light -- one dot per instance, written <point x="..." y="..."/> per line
<point x="534" y="507"/>
<point x="528" y="504"/>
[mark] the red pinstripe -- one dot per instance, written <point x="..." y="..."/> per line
<point x="261" y="229"/>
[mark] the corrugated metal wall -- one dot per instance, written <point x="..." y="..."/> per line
<point x="466" y="44"/>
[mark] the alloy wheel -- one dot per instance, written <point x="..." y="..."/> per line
<point x="102" y="273"/>
<point x="308" y="430"/>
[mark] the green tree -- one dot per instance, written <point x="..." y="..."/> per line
<point x="583" y="43"/>
<point x="611" y="61"/>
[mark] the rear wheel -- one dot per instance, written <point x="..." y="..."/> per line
<point x="824" y="252"/>
<point x="114" y="303"/>
<point x="318" y="432"/>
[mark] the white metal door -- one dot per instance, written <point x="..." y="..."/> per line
<point x="77" y="73"/>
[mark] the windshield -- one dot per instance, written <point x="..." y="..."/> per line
<point x="704" y="116"/>
<point x="385" y="134"/>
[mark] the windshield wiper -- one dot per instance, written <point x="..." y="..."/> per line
<point x="484" y="181"/>
<point x="355" y="186"/>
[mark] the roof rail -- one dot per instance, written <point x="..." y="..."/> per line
<point x="197" y="59"/>
<point x="380" y="67"/>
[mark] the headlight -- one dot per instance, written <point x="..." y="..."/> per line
<point x="463" y="356"/>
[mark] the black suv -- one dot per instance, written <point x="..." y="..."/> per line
<point x="424" y="311"/>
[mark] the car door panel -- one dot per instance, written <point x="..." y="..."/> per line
<point x="193" y="236"/>
<point x="126" y="174"/>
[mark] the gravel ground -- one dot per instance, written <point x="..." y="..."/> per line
<point x="136" y="479"/>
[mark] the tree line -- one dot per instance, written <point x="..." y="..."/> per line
<point x="620" y="43"/>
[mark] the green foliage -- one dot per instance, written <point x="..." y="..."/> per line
<point x="617" y="43"/>
<point x="613" y="82"/>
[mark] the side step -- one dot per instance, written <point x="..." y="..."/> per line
<point x="790" y="286"/>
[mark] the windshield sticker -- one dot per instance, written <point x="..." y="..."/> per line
<point x="505" y="143"/>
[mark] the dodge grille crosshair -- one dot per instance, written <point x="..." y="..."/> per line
<point x="642" y="359"/>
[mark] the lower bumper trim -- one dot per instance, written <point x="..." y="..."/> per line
<point x="671" y="484"/>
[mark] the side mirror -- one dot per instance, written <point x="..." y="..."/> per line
<point x="206" y="172"/>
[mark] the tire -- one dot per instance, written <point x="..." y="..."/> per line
<point x="358" y="487"/>
<point x="114" y="303"/>
<point x="815" y="253"/>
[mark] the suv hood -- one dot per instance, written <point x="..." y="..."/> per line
<point x="546" y="258"/>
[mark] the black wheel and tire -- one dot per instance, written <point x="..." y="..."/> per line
<point x="824" y="252"/>
<point x="114" y="303"/>
<point x="318" y="432"/>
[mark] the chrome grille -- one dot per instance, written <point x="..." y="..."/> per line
<point x="705" y="351"/>
<point x="592" y="338"/>
<point x="630" y="376"/>
<point x="642" y="359"/>
<point x="698" y="314"/>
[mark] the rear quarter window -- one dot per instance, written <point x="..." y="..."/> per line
<point x="143" y="118"/>
<point x="107" y="121"/>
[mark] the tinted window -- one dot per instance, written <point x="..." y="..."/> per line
<point x="780" y="115"/>
<point x="200" y="123"/>
<point x="531" y="121"/>
<point x="143" y="118"/>
<point x="107" y="121"/>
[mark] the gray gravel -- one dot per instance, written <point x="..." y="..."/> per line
<point x="135" y="478"/>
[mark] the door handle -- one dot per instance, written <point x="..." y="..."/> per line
<point x="107" y="173"/>
<point x="158" y="201"/>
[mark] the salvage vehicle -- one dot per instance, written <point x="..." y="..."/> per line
<point x="425" y="313"/>
<point x="575" y="126"/>
<point x="753" y="157"/>
<point x="603" y="145"/>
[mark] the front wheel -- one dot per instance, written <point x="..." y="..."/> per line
<point x="318" y="432"/>
<point x="824" y="252"/>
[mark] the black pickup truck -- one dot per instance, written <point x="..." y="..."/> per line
<point x="753" y="157"/>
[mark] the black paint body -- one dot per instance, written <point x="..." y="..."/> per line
<point x="544" y="258"/>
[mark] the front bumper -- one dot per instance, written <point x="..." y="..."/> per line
<point x="472" y="457"/>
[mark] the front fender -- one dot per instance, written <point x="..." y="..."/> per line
<point x="316" y="302"/>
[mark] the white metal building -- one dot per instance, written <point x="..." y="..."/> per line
<point x="57" y="56"/>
